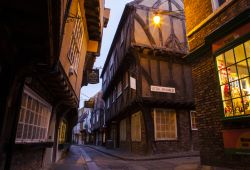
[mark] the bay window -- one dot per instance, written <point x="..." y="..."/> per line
<point x="34" y="118"/>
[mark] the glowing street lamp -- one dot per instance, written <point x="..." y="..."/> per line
<point x="157" y="19"/>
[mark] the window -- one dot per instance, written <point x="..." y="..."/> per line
<point x="76" y="41"/>
<point x="34" y="118"/>
<point x="193" y="120"/>
<point x="165" y="124"/>
<point x="123" y="130"/>
<point x="233" y="70"/>
<point x="62" y="132"/>
<point x="119" y="89"/>
<point x="136" y="126"/>
<point x="217" y="3"/>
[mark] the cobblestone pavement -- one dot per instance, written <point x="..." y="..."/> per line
<point x="94" y="158"/>
<point x="73" y="161"/>
<point x="102" y="161"/>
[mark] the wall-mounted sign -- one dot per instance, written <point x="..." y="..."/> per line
<point x="93" y="76"/>
<point x="162" y="89"/>
<point x="89" y="104"/>
<point x="132" y="83"/>
<point x="237" y="140"/>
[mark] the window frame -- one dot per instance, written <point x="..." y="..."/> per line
<point x="191" y="120"/>
<point x="76" y="41"/>
<point x="223" y="50"/>
<point x="40" y="113"/>
<point x="155" y="125"/>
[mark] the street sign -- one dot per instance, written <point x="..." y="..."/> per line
<point x="162" y="89"/>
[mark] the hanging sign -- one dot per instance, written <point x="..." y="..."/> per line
<point x="89" y="104"/>
<point x="162" y="89"/>
<point x="93" y="76"/>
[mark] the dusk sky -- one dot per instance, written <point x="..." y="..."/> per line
<point x="116" y="7"/>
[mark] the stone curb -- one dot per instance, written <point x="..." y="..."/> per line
<point x="143" y="159"/>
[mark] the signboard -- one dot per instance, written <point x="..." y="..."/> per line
<point x="237" y="140"/>
<point x="89" y="104"/>
<point x="93" y="76"/>
<point x="132" y="83"/>
<point x="162" y="89"/>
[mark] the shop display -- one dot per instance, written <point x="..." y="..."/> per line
<point x="233" y="72"/>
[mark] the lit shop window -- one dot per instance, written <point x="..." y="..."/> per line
<point x="62" y="132"/>
<point x="233" y="70"/>
<point x="34" y="118"/>
<point x="165" y="124"/>
<point x="193" y="119"/>
<point x="136" y="126"/>
<point x="123" y="130"/>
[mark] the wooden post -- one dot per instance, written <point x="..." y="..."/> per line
<point x="149" y="128"/>
<point x="12" y="112"/>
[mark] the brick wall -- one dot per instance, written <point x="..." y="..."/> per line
<point x="208" y="106"/>
<point x="197" y="11"/>
<point x="27" y="158"/>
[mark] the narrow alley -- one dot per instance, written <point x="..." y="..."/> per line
<point x="91" y="158"/>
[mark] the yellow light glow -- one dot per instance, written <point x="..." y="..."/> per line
<point x="157" y="19"/>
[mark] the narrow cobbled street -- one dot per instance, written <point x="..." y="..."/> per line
<point x="85" y="157"/>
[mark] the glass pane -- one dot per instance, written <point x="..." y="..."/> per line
<point x="24" y="100"/>
<point x="232" y="74"/>
<point x="225" y="92"/>
<point x="228" y="108"/>
<point x="242" y="69"/>
<point x="19" y="131"/>
<point x="223" y="76"/>
<point x="245" y="86"/>
<point x="29" y="102"/>
<point x="229" y="55"/>
<point x="246" y="101"/>
<point x="22" y="113"/>
<point x="235" y="90"/>
<point x="247" y="48"/>
<point x="220" y="62"/>
<point x="25" y="132"/>
<point x="27" y="116"/>
<point x="238" y="107"/>
<point x="239" y="53"/>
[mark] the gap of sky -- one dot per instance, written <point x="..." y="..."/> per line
<point x="116" y="10"/>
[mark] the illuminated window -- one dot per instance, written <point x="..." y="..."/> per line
<point x="62" y="132"/>
<point x="76" y="41"/>
<point x="165" y="124"/>
<point x="193" y="120"/>
<point x="136" y="126"/>
<point x="123" y="130"/>
<point x="233" y="70"/>
<point x="34" y="118"/>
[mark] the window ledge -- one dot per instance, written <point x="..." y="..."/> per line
<point x="236" y="118"/>
<point x="215" y="13"/>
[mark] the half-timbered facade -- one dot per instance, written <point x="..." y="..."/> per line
<point x="147" y="86"/>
